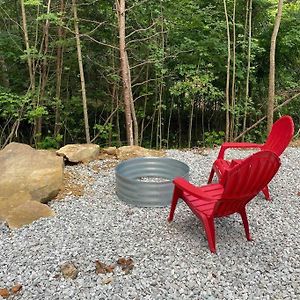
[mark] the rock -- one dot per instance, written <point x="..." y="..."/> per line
<point x="28" y="212"/>
<point x="24" y="169"/>
<point x="7" y="204"/>
<point x="27" y="174"/>
<point x="110" y="150"/>
<point x="79" y="152"/>
<point x="127" y="152"/>
<point x="69" y="270"/>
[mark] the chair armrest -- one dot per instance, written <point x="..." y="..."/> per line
<point x="193" y="190"/>
<point x="226" y="146"/>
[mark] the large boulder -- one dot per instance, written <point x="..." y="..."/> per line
<point x="79" y="152"/>
<point x="26" y="175"/>
<point x="28" y="212"/>
<point x="127" y="152"/>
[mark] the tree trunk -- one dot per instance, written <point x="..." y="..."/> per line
<point x="249" y="8"/>
<point x="228" y="75"/>
<point x="82" y="79"/>
<point x="27" y="47"/>
<point x="59" y="65"/>
<point x="232" y="124"/>
<point x="132" y="108"/>
<point x="271" y="96"/>
<point x="43" y="74"/>
<point x="190" y="123"/>
<point x="4" y="78"/>
<point x="127" y="95"/>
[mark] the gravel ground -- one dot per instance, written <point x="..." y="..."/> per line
<point x="171" y="261"/>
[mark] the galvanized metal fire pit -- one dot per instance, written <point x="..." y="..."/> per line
<point x="147" y="181"/>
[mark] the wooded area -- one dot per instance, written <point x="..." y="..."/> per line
<point x="157" y="73"/>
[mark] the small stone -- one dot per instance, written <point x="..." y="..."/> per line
<point x="110" y="150"/>
<point x="107" y="280"/>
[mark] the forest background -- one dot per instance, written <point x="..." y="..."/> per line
<point x="157" y="73"/>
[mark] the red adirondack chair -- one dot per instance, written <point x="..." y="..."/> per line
<point x="236" y="188"/>
<point x="277" y="141"/>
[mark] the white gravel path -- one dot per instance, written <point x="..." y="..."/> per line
<point x="170" y="261"/>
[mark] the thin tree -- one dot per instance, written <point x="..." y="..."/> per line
<point x="125" y="70"/>
<point x="271" y="96"/>
<point x="59" y="65"/>
<point x="228" y="74"/>
<point x="27" y="46"/>
<point x="43" y="73"/>
<point x="249" y="9"/>
<point x="82" y="79"/>
<point x="233" y="72"/>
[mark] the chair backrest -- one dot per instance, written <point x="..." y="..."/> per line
<point x="281" y="134"/>
<point x="245" y="180"/>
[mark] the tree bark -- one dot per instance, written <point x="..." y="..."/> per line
<point x="271" y="96"/>
<point x="127" y="95"/>
<point x="82" y="78"/>
<point x="232" y="121"/>
<point x="59" y="65"/>
<point x="249" y="14"/>
<point x="228" y="74"/>
<point x="4" y="78"/>
<point x="27" y="47"/>
<point x="44" y="73"/>
<point x="191" y="123"/>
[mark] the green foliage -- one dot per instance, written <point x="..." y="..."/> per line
<point x="213" y="138"/>
<point x="103" y="130"/>
<point x="50" y="142"/>
<point x="36" y="112"/>
<point x="177" y="50"/>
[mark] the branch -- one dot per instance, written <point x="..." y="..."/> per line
<point x="141" y="83"/>
<point x="98" y="42"/>
<point x="136" y="4"/>
<point x="146" y="38"/>
<point x="143" y="63"/>
<point x="139" y="30"/>
<point x="263" y="118"/>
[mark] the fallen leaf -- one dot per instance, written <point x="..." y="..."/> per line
<point x="298" y="194"/>
<point x="102" y="268"/>
<point x="4" y="293"/>
<point x="126" y="264"/>
<point x="16" y="288"/>
<point x="69" y="270"/>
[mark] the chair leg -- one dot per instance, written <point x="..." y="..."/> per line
<point x="265" y="191"/>
<point x="176" y="195"/>
<point x="246" y="224"/>
<point x="209" y="227"/>
<point x="211" y="175"/>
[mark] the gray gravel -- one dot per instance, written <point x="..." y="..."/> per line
<point x="170" y="261"/>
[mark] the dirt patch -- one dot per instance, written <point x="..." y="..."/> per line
<point x="72" y="177"/>
<point x="70" y="187"/>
